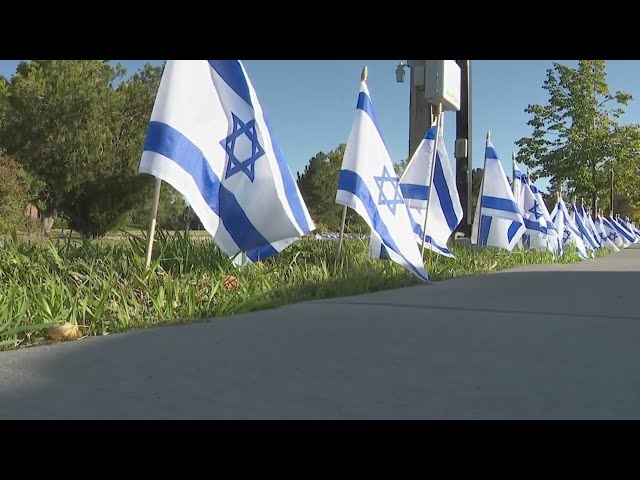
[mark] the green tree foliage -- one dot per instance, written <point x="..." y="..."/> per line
<point x="13" y="196"/>
<point x="476" y="181"/>
<point x="319" y="184"/>
<point x="78" y="127"/>
<point x="576" y="135"/>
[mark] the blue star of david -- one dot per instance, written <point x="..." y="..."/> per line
<point x="534" y="210"/>
<point x="613" y="236"/>
<point x="603" y="237"/>
<point x="567" y="234"/>
<point x="382" y="199"/>
<point x="234" y="165"/>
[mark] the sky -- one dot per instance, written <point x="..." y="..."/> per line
<point x="311" y="103"/>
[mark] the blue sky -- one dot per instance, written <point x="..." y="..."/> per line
<point x="311" y="103"/>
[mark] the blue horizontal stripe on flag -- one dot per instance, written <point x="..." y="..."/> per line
<point x="231" y="72"/>
<point x="169" y="142"/>
<point x="531" y="225"/>
<point x="503" y="204"/>
<point x="513" y="229"/>
<point x="444" y="194"/>
<point x="491" y="153"/>
<point x="485" y="227"/>
<point x="351" y="182"/>
<point x="414" y="192"/>
<point x="365" y="104"/>
<point x="431" y="133"/>
<point x="417" y="229"/>
<point x="384" y="254"/>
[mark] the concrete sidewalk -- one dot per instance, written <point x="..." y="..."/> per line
<point x="541" y="342"/>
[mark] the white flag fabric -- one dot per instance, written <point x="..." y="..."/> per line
<point x="606" y="241"/>
<point x="445" y="212"/>
<point x="495" y="203"/>
<point x="584" y="230"/>
<point x="532" y="214"/>
<point x="209" y="138"/>
<point x="557" y="217"/>
<point x="592" y="227"/>
<point x="612" y="233"/>
<point x="571" y="234"/>
<point x="553" y="239"/>
<point x="626" y="224"/>
<point x="626" y="236"/>
<point x="368" y="184"/>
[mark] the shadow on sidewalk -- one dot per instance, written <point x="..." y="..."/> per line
<point x="560" y="344"/>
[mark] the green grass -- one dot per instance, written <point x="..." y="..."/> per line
<point x="103" y="286"/>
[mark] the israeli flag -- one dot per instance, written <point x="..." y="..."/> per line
<point x="571" y="235"/>
<point x="368" y="184"/>
<point x="612" y="233"/>
<point x="627" y="237"/>
<point x="605" y="240"/>
<point x="534" y="219"/>
<point x="209" y="138"/>
<point x="554" y="243"/>
<point x="445" y="212"/>
<point x="626" y="224"/>
<point x="584" y="230"/>
<point x="557" y="217"/>
<point x="498" y="221"/>
<point x="592" y="228"/>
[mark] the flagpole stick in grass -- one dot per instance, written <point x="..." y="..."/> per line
<point x="433" y="169"/>
<point x="363" y="78"/>
<point x="479" y="206"/>
<point x="513" y="172"/>
<point x="154" y="213"/>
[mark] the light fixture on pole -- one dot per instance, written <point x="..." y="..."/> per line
<point x="400" y="72"/>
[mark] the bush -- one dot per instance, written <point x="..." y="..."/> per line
<point x="105" y="204"/>
<point x="60" y="222"/>
<point x="13" y="196"/>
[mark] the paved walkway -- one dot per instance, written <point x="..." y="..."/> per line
<point x="541" y="342"/>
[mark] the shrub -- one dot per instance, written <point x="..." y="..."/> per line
<point x="13" y="196"/>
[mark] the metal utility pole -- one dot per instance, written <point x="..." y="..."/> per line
<point x="612" y="192"/>
<point x="421" y="115"/>
<point x="464" y="147"/>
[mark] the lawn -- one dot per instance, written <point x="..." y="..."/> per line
<point x="102" y="287"/>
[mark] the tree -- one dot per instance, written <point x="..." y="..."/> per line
<point x="68" y="124"/>
<point x="477" y="175"/>
<point x="401" y="166"/>
<point x="576" y="136"/>
<point x="13" y="196"/>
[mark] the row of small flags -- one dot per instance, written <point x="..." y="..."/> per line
<point x="210" y="139"/>
<point x="517" y="216"/>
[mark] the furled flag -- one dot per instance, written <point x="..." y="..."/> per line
<point x="606" y="240"/>
<point x="368" y="184"/>
<point x="612" y="233"/>
<point x="557" y="217"/>
<point x="445" y="212"/>
<point x="571" y="233"/>
<point x="534" y="220"/>
<point x="581" y="224"/>
<point x="625" y="236"/>
<point x="496" y="201"/>
<point x="554" y="243"/>
<point x="209" y="138"/>
<point x="627" y="224"/>
<point x="592" y="227"/>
